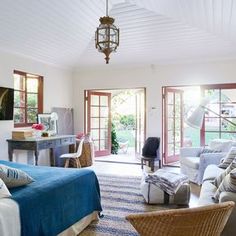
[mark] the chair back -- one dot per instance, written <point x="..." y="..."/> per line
<point x="80" y="148"/>
<point x="200" y="221"/>
<point x="151" y="146"/>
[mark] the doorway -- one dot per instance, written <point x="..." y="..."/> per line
<point x="177" y="102"/>
<point x="116" y="120"/>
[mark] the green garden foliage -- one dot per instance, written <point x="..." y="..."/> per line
<point x="114" y="141"/>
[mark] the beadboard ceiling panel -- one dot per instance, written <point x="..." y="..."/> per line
<point x="61" y="32"/>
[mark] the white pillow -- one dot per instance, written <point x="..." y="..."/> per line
<point x="220" y="145"/>
<point x="4" y="192"/>
<point x="13" y="177"/>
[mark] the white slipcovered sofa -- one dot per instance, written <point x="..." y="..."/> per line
<point x="208" y="190"/>
<point x="194" y="160"/>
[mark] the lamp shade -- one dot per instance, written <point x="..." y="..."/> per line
<point x="195" y="120"/>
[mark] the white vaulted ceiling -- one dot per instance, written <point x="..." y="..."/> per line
<point x="61" y="32"/>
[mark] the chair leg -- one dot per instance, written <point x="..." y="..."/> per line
<point x="67" y="162"/>
<point x="152" y="165"/>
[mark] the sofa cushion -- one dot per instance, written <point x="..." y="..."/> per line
<point x="222" y="145"/>
<point x="212" y="172"/>
<point x="228" y="185"/>
<point x="218" y="180"/>
<point x="207" y="192"/>
<point x="192" y="162"/>
<point x="229" y="158"/>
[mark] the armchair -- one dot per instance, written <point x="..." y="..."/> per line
<point x="193" y="162"/>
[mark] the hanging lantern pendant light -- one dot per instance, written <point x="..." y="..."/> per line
<point x="107" y="35"/>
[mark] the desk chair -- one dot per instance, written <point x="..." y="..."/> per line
<point x="74" y="156"/>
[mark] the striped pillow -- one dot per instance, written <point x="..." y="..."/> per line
<point x="229" y="158"/>
<point x="4" y="192"/>
<point x="218" y="180"/>
<point x="227" y="185"/>
<point x="13" y="177"/>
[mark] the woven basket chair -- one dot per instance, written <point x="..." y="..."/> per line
<point x="200" y="221"/>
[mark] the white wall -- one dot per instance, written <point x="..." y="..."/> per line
<point x="57" y="90"/>
<point x="153" y="78"/>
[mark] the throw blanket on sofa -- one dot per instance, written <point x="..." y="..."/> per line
<point x="57" y="199"/>
<point x="167" y="181"/>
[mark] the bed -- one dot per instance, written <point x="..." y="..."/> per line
<point x="60" y="201"/>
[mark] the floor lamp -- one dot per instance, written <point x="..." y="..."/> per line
<point x="195" y="120"/>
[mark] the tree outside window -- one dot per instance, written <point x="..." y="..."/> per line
<point x="28" y="98"/>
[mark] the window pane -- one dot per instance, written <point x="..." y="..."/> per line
<point x="104" y="111"/>
<point x="102" y="144"/>
<point x="94" y="122"/>
<point x="170" y="98"/>
<point x="103" y="134"/>
<point x="228" y="95"/>
<point x="32" y="85"/>
<point x="94" y="100"/>
<point x="96" y="145"/>
<point x="19" y="99"/>
<point x="19" y="115"/>
<point x="212" y="124"/>
<point x="95" y="111"/>
<point x="32" y="115"/>
<point x="170" y="112"/>
<point x="32" y="100"/>
<point x="103" y="123"/>
<point x="228" y="125"/>
<point x="228" y="110"/>
<point x="95" y="134"/>
<point x="214" y="110"/>
<point x="19" y="82"/>
<point x="209" y="136"/>
<point x="228" y="136"/>
<point x="170" y="137"/>
<point x="103" y="101"/>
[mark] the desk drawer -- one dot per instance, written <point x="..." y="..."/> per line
<point x="65" y="141"/>
<point x="46" y="144"/>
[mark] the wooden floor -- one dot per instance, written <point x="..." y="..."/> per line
<point x="135" y="170"/>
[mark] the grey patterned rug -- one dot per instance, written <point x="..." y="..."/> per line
<point x="120" y="197"/>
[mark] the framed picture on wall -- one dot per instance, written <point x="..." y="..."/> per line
<point x="50" y="124"/>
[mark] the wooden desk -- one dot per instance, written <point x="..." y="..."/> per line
<point x="37" y="144"/>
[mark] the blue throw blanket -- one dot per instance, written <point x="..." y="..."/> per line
<point x="56" y="200"/>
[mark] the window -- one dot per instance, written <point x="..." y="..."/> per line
<point x="28" y="98"/>
<point x="220" y="115"/>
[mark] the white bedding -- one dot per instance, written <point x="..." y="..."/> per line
<point x="10" y="220"/>
<point x="9" y="217"/>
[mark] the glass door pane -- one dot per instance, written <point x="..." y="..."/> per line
<point x="99" y="121"/>
<point x="173" y="124"/>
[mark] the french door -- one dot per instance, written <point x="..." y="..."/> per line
<point x="140" y="121"/>
<point x="173" y="124"/>
<point x="99" y="121"/>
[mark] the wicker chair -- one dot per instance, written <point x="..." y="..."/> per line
<point x="200" y="221"/>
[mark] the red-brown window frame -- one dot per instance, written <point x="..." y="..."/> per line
<point x="40" y="97"/>
<point x="212" y="86"/>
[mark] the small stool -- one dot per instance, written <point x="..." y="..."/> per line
<point x="151" y="162"/>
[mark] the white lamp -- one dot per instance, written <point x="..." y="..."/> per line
<point x="195" y="120"/>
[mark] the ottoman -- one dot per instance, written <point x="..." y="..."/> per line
<point x="154" y="195"/>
